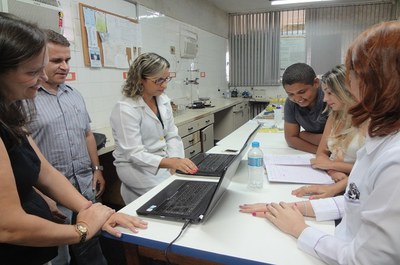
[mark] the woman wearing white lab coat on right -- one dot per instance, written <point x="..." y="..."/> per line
<point x="148" y="148"/>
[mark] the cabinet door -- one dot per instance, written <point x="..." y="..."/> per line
<point x="240" y="113"/>
<point x="224" y="123"/>
<point x="246" y="111"/>
<point x="207" y="138"/>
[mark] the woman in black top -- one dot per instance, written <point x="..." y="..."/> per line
<point x="28" y="234"/>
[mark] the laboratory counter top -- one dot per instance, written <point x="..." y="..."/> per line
<point x="188" y="115"/>
<point x="217" y="104"/>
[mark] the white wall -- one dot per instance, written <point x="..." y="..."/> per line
<point x="199" y="13"/>
<point x="101" y="88"/>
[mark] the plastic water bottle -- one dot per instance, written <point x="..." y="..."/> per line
<point x="256" y="167"/>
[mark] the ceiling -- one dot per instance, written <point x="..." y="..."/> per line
<point x="245" y="6"/>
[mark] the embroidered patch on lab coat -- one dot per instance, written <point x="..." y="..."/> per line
<point x="353" y="193"/>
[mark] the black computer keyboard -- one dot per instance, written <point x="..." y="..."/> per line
<point x="186" y="199"/>
<point x="214" y="163"/>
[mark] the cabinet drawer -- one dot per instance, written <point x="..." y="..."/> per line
<point x="188" y="128"/>
<point x="193" y="150"/>
<point x="239" y="107"/>
<point x="204" y="122"/>
<point x="191" y="139"/>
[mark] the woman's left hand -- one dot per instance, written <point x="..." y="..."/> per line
<point x="124" y="220"/>
<point x="321" y="162"/>
<point x="285" y="216"/>
<point x="316" y="191"/>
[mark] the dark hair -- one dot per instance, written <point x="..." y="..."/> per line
<point x="298" y="73"/>
<point x="145" y="66"/>
<point x="56" y="38"/>
<point x="19" y="42"/>
<point x="374" y="59"/>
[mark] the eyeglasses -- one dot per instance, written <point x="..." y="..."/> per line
<point x="161" y="81"/>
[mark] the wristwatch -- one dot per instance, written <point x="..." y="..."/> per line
<point x="94" y="168"/>
<point x="82" y="230"/>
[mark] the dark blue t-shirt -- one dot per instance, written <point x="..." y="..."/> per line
<point x="312" y="120"/>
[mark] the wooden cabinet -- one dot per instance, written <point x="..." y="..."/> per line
<point x="197" y="135"/>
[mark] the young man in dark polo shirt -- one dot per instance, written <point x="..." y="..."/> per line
<point x="304" y="110"/>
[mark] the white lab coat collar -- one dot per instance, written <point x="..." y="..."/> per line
<point x="161" y="100"/>
<point x="372" y="143"/>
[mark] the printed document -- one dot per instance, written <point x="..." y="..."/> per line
<point x="294" y="169"/>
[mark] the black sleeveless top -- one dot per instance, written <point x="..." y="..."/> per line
<point x="26" y="167"/>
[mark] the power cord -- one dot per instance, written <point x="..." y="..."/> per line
<point x="167" y="249"/>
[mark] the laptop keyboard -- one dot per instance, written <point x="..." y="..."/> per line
<point x="186" y="199"/>
<point x="214" y="163"/>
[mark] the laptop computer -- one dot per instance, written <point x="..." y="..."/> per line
<point x="210" y="165"/>
<point x="192" y="200"/>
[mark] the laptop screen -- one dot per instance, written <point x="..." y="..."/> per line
<point x="230" y="172"/>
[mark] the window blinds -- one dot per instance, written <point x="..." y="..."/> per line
<point x="254" y="49"/>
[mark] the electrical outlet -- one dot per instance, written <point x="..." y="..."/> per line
<point x="172" y="49"/>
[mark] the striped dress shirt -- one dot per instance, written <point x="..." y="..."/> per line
<point x="59" y="129"/>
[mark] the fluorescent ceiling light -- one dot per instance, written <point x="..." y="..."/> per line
<point x="287" y="2"/>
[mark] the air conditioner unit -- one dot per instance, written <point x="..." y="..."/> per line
<point x="188" y="44"/>
<point x="47" y="14"/>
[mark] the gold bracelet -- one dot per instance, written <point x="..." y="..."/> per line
<point x="305" y="208"/>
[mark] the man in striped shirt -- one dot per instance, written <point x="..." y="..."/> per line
<point x="61" y="129"/>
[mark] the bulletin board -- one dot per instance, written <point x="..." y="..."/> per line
<point x="108" y="39"/>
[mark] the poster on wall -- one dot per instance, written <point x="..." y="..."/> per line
<point x="292" y="50"/>
<point x="94" y="54"/>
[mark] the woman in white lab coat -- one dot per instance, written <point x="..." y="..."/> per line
<point x="148" y="148"/>
<point x="369" y="231"/>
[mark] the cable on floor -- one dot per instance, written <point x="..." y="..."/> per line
<point x="167" y="249"/>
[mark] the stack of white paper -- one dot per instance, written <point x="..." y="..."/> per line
<point x="294" y="169"/>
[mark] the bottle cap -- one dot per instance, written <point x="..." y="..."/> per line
<point x="255" y="144"/>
